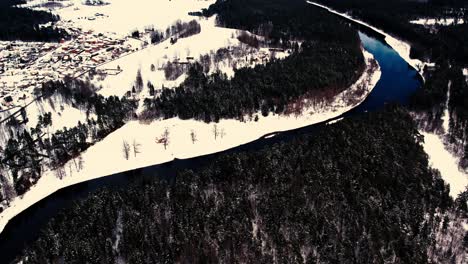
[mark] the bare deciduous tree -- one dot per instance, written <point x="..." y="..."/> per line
<point x="70" y="168"/>
<point x="164" y="138"/>
<point x="8" y="190"/>
<point x="193" y="136"/>
<point x="60" y="172"/>
<point x="80" y="163"/>
<point x="222" y="133"/>
<point x="136" y="148"/>
<point x="126" y="149"/>
<point x="215" y="131"/>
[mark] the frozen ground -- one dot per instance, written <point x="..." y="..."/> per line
<point x="123" y="16"/>
<point x="399" y="46"/>
<point x="441" y="159"/>
<point x="230" y="133"/>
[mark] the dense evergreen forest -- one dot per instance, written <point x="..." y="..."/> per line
<point x="323" y="63"/>
<point x="23" y="23"/>
<point x="301" y="201"/>
<point x="395" y="16"/>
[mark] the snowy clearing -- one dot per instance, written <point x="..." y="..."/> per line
<point x="122" y="16"/>
<point x="445" y="162"/>
<point x="210" y="138"/>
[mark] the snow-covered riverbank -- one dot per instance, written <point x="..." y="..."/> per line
<point x="229" y="134"/>
<point x="402" y="47"/>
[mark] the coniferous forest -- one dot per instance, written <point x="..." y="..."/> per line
<point x="301" y="201"/>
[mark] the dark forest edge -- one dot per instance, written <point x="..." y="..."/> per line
<point x="25" y="24"/>
<point x="376" y="200"/>
<point x="434" y="44"/>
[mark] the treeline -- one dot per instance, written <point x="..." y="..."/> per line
<point x="177" y="30"/>
<point x="426" y="43"/>
<point x="28" y="152"/>
<point x="24" y="24"/>
<point x="373" y="201"/>
<point x="326" y="62"/>
<point x="429" y="101"/>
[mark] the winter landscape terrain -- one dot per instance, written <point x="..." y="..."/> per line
<point x="127" y="85"/>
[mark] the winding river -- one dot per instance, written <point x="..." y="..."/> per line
<point x="397" y="83"/>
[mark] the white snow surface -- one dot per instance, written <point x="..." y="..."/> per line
<point x="437" y="21"/>
<point x="399" y="46"/>
<point x="123" y="16"/>
<point x="232" y="133"/>
<point x="445" y="162"/>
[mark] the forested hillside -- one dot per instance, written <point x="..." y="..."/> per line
<point x="326" y="58"/>
<point x="373" y="201"/>
<point x="24" y="24"/>
<point x="395" y="16"/>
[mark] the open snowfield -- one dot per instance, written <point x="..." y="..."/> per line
<point x="399" y="46"/>
<point x="123" y="16"/>
<point x="440" y="158"/>
<point x="231" y="133"/>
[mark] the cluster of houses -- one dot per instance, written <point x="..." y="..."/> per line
<point x="24" y="66"/>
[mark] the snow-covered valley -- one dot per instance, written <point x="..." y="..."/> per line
<point x="186" y="138"/>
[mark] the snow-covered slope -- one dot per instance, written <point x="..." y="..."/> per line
<point x="441" y="159"/>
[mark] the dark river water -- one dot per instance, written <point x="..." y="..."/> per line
<point x="397" y="83"/>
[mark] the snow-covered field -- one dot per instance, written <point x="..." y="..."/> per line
<point x="123" y="16"/>
<point x="230" y="133"/>
<point x="440" y="158"/>
<point x="120" y="16"/>
<point x="399" y="46"/>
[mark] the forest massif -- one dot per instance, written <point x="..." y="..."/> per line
<point x="323" y="63"/>
<point x="374" y="201"/>
<point x="18" y="23"/>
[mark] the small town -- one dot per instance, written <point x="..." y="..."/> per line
<point x="25" y="66"/>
